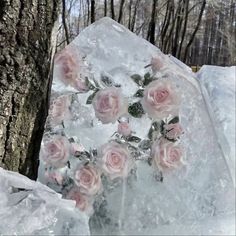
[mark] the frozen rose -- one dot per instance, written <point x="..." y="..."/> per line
<point x="173" y="131"/>
<point x="55" y="152"/>
<point x="59" y="110"/>
<point x="115" y="160"/>
<point x="157" y="63"/>
<point x="76" y="148"/>
<point x="166" y="155"/>
<point x="69" y="69"/>
<point x="109" y="105"/>
<point x="124" y="129"/>
<point x="88" y="179"/>
<point x="54" y="176"/>
<point x="160" y="99"/>
<point x="83" y="202"/>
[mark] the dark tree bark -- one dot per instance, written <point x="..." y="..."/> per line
<point x="204" y="50"/>
<point x="195" y="30"/>
<point x="134" y="15"/>
<point x="212" y="41"/>
<point x="105" y="7"/>
<point x="26" y="51"/>
<point x="178" y="28"/>
<point x="92" y="11"/>
<point x="88" y="12"/>
<point x="121" y="10"/>
<point x="112" y="10"/>
<point x="186" y="6"/>
<point x="64" y="21"/>
<point x="130" y="13"/>
<point x="152" y="25"/>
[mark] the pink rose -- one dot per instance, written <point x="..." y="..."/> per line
<point x="109" y="105"/>
<point x="76" y="148"/>
<point x="160" y="99"/>
<point x="55" y="152"/>
<point x="68" y="64"/>
<point x="173" y="131"/>
<point x="59" y="110"/>
<point x="83" y="202"/>
<point x="115" y="160"/>
<point x="88" y="179"/>
<point x="166" y="155"/>
<point x="124" y="129"/>
<point x="157" y="63"/>
<point x="54" y="176"/>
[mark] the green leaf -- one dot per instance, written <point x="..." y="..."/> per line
<point x="136" y="110"/>
<point x="147" y="75"/>
<point x="92" y="84"/>
<point x="137" y="79"/>
<point x="106" y="80"/>
<point x="147" y="79"/>
<point x="145" y="144"/>
<point x="90" y="98"/>
<point x="174" y="120"/>
<point x="133" y="139"/>
<point x="154" y="131"/>
<point x="139" y="93"/>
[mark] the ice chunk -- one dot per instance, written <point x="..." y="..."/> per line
<point x="28" y="207"/>
<point x="219" y="89"/>
<point x="148" y="200"/>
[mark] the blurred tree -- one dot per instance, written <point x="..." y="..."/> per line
<point x="195" y="31"/>
<point x="26" y="50"/>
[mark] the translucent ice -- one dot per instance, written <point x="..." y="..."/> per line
<point x="197" y="198"/>
<point x="30" y="208"/>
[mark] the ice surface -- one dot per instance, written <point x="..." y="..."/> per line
<point x="195" y="199"/>
<point x="219" y="90"/>
<point x="30" y="208"/>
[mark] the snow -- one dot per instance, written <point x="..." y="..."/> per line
<point x="29" y="207"/>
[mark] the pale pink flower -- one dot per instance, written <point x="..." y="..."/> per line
<point x="109" y="105"/>
<point x="167" y="155"/>
<point x="59" y="110"/>
<point x="54" y="176"/>
<point x="88" y="179"/>
<point x="83" y="202"/>
<point x="173" y="131"/>
<point x="124" y="129"/>
<point x="160" y="99"/>
<point x="55" y="152"/>
<point x="76" y="148"/>
<point x="157" y="63"/>
<point x="68" y="64"/>
<point x="115" y="160"/>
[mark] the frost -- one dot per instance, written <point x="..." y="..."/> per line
<point x="219" y="90"/>
<point x="28" y="207"/>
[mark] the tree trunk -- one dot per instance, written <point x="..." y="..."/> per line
<point x="195" y="30"/>
<point x="26" y="30"/>
<point x="105" y="7"/>
<point x="121" y="10"/>
<point x="92" y="11"/>
<point x="152" y="25"/>
<point x="112" y="10"/>
<point x="64" y="21"/>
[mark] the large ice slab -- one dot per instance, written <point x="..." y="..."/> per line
<point x="30" y="208"/>
<point x="219" y="89"/>
<point x="196" y="198"/>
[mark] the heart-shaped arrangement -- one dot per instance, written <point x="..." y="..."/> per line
<point x="80" y="174"/>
